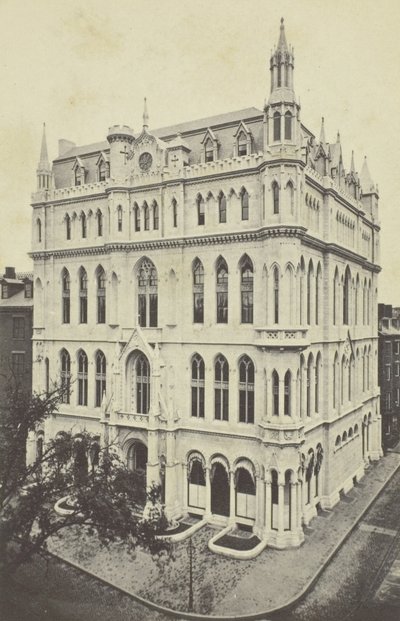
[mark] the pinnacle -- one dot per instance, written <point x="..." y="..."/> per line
<point x="44" y="158"/>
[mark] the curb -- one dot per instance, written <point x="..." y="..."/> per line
<point x="177" y="614"/>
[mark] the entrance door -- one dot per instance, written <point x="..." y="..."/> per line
<point x="219" y="490"/>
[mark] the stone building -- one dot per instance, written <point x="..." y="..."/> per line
<point x="16" y="321"/>
<point x="389" y="372"/>
<point x="208" y="293"/>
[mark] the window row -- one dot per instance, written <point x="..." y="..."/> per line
<point x="82" y="377"/>
<point x="354" y="298"/>
<point x="222" y="206"/>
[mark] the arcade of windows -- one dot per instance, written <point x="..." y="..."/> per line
<point x="82" y="377"/>
<point x="222" y="206"/>
<point x="351" y="299"/>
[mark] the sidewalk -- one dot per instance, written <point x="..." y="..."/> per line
<point x="227" y="586"/>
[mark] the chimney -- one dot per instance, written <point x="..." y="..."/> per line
<point x="10" y="273"/>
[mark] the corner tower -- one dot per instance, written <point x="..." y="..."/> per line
<point x="282" y="112"/>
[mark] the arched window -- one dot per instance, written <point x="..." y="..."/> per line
<point x="275" y="196"/>
<point x="147" y="294"/>
<point x="83" y="225"/>
<point x="197" y="384"/>
<point x="246" y="390"/>
<point x="274" y="500"/>
<point x="119" y="218"/>
<point x="221" y="389"/>
<point x="222" y="207"/>
<point x="197" y="483"/>
<point x="101" y="296"/>
<point x="102" y="171"/>
<point x="39" y="229"/>
<point x="350" y="379"/>
<point x="39" y="446"/>
<point x="317" y="383"/>
<point x="146" y="216"/>
<point x="308" y="387"/>
<point x="246" y="290"/>
<point x="209" y="150"/>
<point x="83" y="297"/>
<point x="338" y="441"/>
<point x="174" y="213"/>
<point x="155" y="216"/>
<point x="245" y="493"/>
<point x="277" y="126"/>
<point x="310" y="282"/>
<point x="276" y="295"/>
<point x="275" y="393"/>
<point x="346" y="297"/>
<point x="335" y="380"/>
<point x="288" y="125"/>
<point x="244" y="201"/>
<point x="142" y="380"/>
<point x="47" y="371"/>
<point x="66" y="299"/>
<point x="242" y="144"/>
<point x="290" y="192"/>
<point x="335" y="297"/>
<point x="82" y="378"/>
<point x="65" y="376"/>
<point x="137" y="463"/>
<point x="317" y="293"/>
<point x="198" y="292"/>
<point x="200" y="210"/>
<point x="100" y="377"/>
<point x="68" y="226"/>
<point x="99" y="217"/>
<point x="222" y="291"/>
<point x="342" y="380"/>
<point x="136" y="212"/>
<point x="288" y="400"/>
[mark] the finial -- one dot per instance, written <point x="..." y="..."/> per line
<point x="282" y="20"/>
<point x="322" y="133"/>
<point x="338" y="137"/>
<point x="44" y="159"/>
<point x="282" y="44"/>
<point x="145" y="115"/>
<point x="352" y="167"/>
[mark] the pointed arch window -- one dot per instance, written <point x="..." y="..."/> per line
<point x="221" y="389"/>
<point x="99" y="217"/>
<point x="174" y="213"/>
<point x="335" y="381"/>
<point x="275" y="197"/>
<point x="287" y="406"/>
<point x="198" y="292"/>
<point x="66" y="299"/>
<point x="39" y="229"/>
<point x="147" y="294"/>
<point x="290" y="191"/>
<point x="100" y="378"/>
<point x="156" y="216"/>
<point x="244" y="201"/>
<point x="136" y="212"/>
<point x="83" y="297"/>
<point x="119" y="218"/>
<point x="276" y="295"/>
<point x="82" y="378"/>
<point x="83" y="225"/>
<point x="146" y="216"/>
<point x="242" y="144"/>
<point x="277" y="125"/>
<point x="246" y="290"/>
<point x="308" y="387"/>
<point x="201" y="218"/>
<point x="275" y="393"/>
<point x="222" y="291"/>
<point x="101" y="296"/>
<point x="222" y="207"/>
<point x="142" y="377"/>
<point x="197" y="385"/>
<point x="103" y="171"/>
<point x="317" y="294"/>
<point x="288" y="125"/>
<point x="346" y="297"/>
<point x="68" y="226"/>
<point x="317" y="384"/>
<point x="246" y="390"/>
<point x="65" y="376"/>
<point x="209" y="150"/>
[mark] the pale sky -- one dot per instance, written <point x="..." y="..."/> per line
<point x="84" y="66"/>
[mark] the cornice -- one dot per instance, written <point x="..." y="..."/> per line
<point x="71" y="200"/>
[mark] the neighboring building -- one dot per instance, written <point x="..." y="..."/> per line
<point x="16" y="321"/>
<point x="208" y="293"/>
<point x="389" y="372"/>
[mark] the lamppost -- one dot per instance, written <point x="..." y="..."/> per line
<point x="190" y="552"/>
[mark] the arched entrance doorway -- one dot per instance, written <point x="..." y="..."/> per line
<point x="219" y="490"/>
<point x="137" y="463"/>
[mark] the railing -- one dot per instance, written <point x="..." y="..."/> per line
<point x="221" y="166"/>
<point x="75" y="191"/>
<point x="134" y="420"/>
<point x="282" y="337"/>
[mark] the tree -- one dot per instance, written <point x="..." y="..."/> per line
<point x="103" y="496"/>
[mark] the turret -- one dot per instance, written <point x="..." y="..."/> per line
<point x="120" y="138"/>
<point x="282" y="112"/>
<point x="369" y="191"/>
<point x="43" y="171"/>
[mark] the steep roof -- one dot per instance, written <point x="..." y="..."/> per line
<point x="18" y="299"/>
<point x="246" y="114"/>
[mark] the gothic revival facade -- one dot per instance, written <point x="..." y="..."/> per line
<point x="207" y="292"/>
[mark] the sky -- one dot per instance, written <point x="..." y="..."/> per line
<point x="81" y="67"/>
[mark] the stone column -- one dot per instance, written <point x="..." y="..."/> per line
<point x="208" y="493"/>
<point x="259" y="504"/>
<point x="232" y="508"/>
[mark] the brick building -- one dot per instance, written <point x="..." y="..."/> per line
<point x="389" y="372"/>
<point x="16" y="322"/>
<point x="208" y="291"/>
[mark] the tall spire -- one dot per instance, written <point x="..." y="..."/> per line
<point x="366" y="182"/>
<point x="282" y="43"/>
<point x="322" y="139"/>
<point x="145" y="115"/>
<point x="44" y="158"/>
<point x="352" y="167"/>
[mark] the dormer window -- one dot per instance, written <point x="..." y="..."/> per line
<point x="103" y="167"/>
<point x="242" y="140"/>
<point x="209" y="151"/>
<point x="79" y="172"/>
<point x="242" y="144"/>
<point x="77" y="176"/>
<point x="4" y="291"/>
